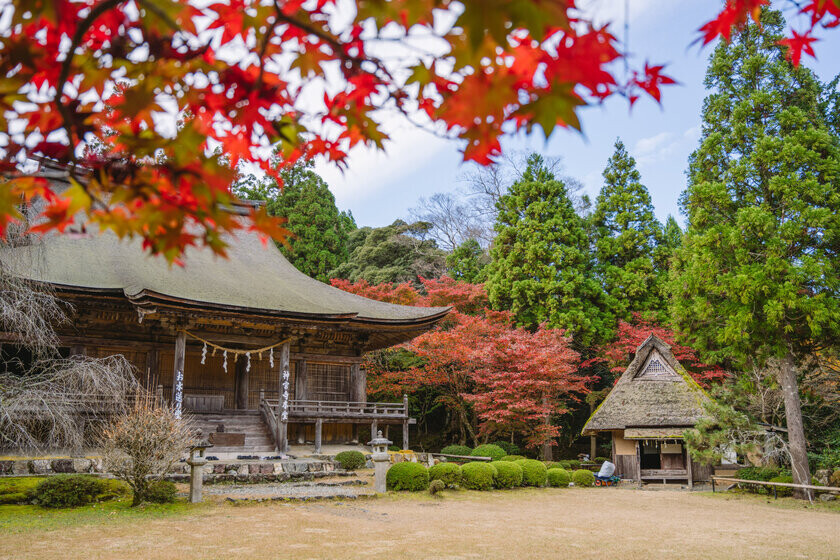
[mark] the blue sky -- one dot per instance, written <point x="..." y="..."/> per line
<point x="380" y="187"/>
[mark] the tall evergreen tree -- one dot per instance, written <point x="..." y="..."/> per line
<point x="757" y="275"/>
<point x="627" y="235"/>
<point x="468" y="262"/>
<point x="540" y="265"/>
<point x="319" y="231"/>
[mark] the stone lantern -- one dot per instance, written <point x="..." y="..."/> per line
<point x="381" y="461"/>
<point x="196" y="461"/>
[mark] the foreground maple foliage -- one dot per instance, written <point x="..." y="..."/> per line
<point x="153" y="104"/>
<point x="478" y="362"/>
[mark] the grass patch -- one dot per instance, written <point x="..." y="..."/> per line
<point x="782" y="503"/>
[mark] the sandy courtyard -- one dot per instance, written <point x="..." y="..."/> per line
<point x="549" y="523"/>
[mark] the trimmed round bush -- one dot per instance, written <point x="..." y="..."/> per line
<point x="552" y="465"/>
<point x="558" y="478"/>
<point x="565" y="465"/>
<point x="161" y="492"/>
<point x="574" y="464"/>
<point x="351" y="460"/>
<point x="478" y="475"/>
<point x="448" y="473"/>
<point x="601" y="459"/>
<point x="489" y="450"/>
<point x="436" y="486"/>
<point x="67" y="490"/>
<point x="511" y="458"/>
<point x="583" y="478"/>
<point x="508" y="475"/>
<point x="407" y="476"/>
<point x="510" y="448"/>
<point x="457" y="450"/>
<point x="534" y="472"/>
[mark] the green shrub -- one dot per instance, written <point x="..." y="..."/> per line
<point x="478" y="475"/>
<point x="757" y="473"/>
<point x="436" y="486"/>
<point x="781" y="490"/>
<point x="565" y="465"/>
<point x="448" y="473"/>
<point x="601" y="459"/>
<point x="574" y="464"/>
<point x="552" y="465"/>
<point x="407" y="476"/>
<point x="462" y="450"/>
<point x="510" y="448"/>
<point x="534" y="472"/>
<point x="489" y="450"/>
<point x="394" y="448"/>
<point x="583" y="478"/>
<point x="558" y="478"/>
<point x="511" y="458"/>
<point x="508" y="475"/>
<point x="351" y="460"/>
<point x="67" y="490"/>
<point x="161" y="492"/>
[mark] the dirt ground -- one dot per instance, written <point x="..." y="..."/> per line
<point x="546" y="523"/>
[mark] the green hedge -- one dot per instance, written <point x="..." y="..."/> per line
<point x="351" y="460"/>
<point x="758" y="473"/>
<point x="601" y="459"/>
<point x="457" y="450"/>
<point x="583" y="478"/>
<point x="558" y="478"/>
<point x="534" y="472"/>
<point x="407" y="476"/>
<point x="565" y="465"/>
<point x="161" y="492"/>
<point x="489" y="450"/>
<point x="478" y="475"/>
<point x="18" y="490"/>
<point x="508" y="475"/>
<point x="448" y="473"/>
<point x="573" y="463"/>
<point x="66" y="490"/>
<point x="552" y="465"/>
<point x="510" y="448"/>
<point x="512" y="458"/>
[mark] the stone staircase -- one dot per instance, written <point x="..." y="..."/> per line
<point x="258" y="439"/>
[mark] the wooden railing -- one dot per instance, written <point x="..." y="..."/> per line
<point x="774" y="485"/>
<point x="341" y="409"/>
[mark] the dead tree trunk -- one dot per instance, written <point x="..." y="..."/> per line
<point x="796" y="430"/>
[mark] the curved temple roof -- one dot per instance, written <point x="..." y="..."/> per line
<point x="254" y="278"/>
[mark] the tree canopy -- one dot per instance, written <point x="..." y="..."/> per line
<point x="627" y="236"/>
<point x="757" y="274"/>
<point x="317" y="242"/>
<point x="541" y="268"/>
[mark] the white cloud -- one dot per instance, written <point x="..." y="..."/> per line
<point x="654" y="148"/>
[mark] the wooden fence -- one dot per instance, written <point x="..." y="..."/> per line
<point x="774" y="485"/>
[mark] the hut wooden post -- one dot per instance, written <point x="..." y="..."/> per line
<point x="282" y="436"/>
<point x="639" y="463"/>
<point x="178" y="371"/>
<point x="358" y="392"/>
<point x="688" y="468"/>
<point x="374" y="427"/>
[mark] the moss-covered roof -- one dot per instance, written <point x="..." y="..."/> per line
<point x="654" y="391"/>
<point x="254" y="278"/>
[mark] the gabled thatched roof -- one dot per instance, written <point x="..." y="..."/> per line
<point x="654" y="391"/>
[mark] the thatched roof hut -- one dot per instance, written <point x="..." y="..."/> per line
<point x="654" y="401"/>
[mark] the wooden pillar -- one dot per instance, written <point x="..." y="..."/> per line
<point x="178" y="371"/>
<point x="358" y="392"/>
<point x="241" y="383"/>
<point x="688" y="468"/>
<point x="405" y="423"/>
<point x="639" y="463"/>
<point x="319" y="424"/>
<point x="153" y="374"/>
<point x="300" y="395"/>
<point x="282" y="437"/>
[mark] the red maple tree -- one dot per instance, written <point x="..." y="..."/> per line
<point x="494" y="378"/>
<point x="630" y="336"/>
